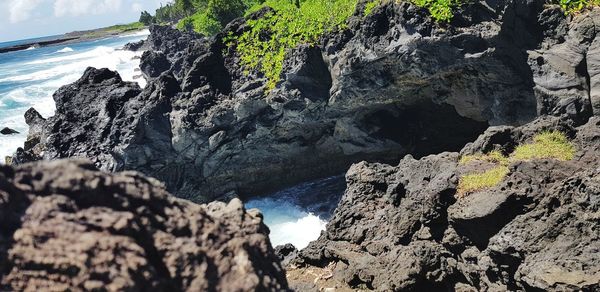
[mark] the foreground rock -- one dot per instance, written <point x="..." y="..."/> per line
<point x="393" y="83"/>
<point x="66" y="226"/>
<point x="403" y="228"/>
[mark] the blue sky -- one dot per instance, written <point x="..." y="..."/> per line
<point x="23" y="19"/>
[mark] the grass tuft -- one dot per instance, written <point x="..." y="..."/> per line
<point x="478" y="181"/>
<point x="549" y="144"/>
<point x="494" y="156"/>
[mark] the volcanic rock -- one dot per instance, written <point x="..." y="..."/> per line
<point x="394" y="82"/>
<point x="8" y="131"/>
<point x="66" y="226"/>
<point x="404" y="227"/>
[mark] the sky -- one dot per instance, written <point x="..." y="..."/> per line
<point x="24" y="19"/>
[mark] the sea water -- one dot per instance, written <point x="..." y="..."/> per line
<point x="298" y="214"/>
<point x="28" y="78"/>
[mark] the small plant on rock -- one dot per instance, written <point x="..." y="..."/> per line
<point x="549" y="144"/>
<point x="545" y="145"/>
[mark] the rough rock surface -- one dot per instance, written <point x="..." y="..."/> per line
<point x="403" y="228"/>
<point x="66" y="226"/>
<point x="393" y="83"/>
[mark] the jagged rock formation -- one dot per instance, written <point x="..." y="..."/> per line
<point x="66" y="226"/>
<point x="393" y="83"/>
<point x="403" y="228"/>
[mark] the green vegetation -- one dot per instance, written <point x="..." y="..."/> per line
<point x="440" y="10"/>
<point x="552" y="144"/>
<point x="494" y="156"/>
<point x="369" y="6"/>
<point x="548" y="144"/>
<point x="264" y="45"/>
<point x="210" y="16"/>
<point x="477" y="181"/>
<point x="115" y="29"/>
<point x="572" y="6"/>
<point x="126" y="27"/>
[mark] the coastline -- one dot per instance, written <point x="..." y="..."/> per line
<point x="76" y="37"/>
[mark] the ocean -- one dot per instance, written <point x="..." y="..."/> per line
<point x="29" y="78"/>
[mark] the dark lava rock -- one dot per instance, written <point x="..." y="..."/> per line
<point x="66" y="226"/>
<point x="286" y="253"/>
<point x="8" y="131"/>
<point x="136" y="46"/>
<point x="394" y="82"/>
<point x="153" y="64"/>
<point x="403" y="228"/>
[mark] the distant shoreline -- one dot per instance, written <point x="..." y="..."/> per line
<point x="78" y="36"/>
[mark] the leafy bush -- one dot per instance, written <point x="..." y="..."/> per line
<point x="264" y="45"/>
<point x="202" y="22"/>
<point x="211" y="16"/>
<point x="440" y="10"/>
<point x="369" y="6"/>
<point x="571" y="6"/>
<point x="477" y="181"/>
<point x="552" y="144"/>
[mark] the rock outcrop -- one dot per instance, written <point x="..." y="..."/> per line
<point x="394" y="82"/>
<point x="66" y="226"/>
<point x="404" y="228"/>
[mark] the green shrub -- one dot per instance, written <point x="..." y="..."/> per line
<point x="571" y="6"/>
<point x="264" y="45"/>
<point x="552" y="144"/>
<point x="201" y="22"/>
<point x="370" y="6"/>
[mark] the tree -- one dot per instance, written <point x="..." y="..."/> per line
<point x="146" y="18"/>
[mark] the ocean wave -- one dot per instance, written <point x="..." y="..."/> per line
<point x="144" y="32"/>
<point x="101" y="57"/>
<point x="65" y="50"/>
<point x="98" y="51"/>
<point x="299" y="233"/>
<point x="288" y="222"/>
<point x="31" y="48"/>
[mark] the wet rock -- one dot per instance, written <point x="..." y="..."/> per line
<point x="68" y="226"/>
<point x="8" y="131"/>
<point x="136" y="46"/>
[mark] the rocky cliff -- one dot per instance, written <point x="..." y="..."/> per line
<point x="405" y="227"/>
<point x="66" y="226"/>
<point x="394" y="82"/>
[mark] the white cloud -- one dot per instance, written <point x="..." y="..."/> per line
<point x="82" y="7"/>
<point x="20" y="10"/>
<point x="137" y="7"/>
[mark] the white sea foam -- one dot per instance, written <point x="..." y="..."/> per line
<point x="31" y="48"/>
<point x="288" y="222"/>
<point x="101" y="57"/>
<point x="65" y="50"/>
<point x="140" y="33"/>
